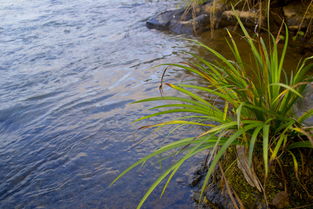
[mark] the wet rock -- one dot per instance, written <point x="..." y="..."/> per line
<point x="194" y="25"/>
<point x="183" y="21"/>
<point x="305" y="104"/>
<point x="216" y="196"/>
<point x="196" y="197"/>
<point x="179" y="22"/>
<point x="205" y="204"/>
<point x="196" y="174"/>
<point x="194" y="180"/>
<point x="162" y="21"/>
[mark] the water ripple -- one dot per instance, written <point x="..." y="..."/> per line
<point x="69" y="70"/>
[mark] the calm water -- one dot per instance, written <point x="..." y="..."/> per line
<point x="69" y="70"/>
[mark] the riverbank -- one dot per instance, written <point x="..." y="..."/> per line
<point x="216" y="14"/>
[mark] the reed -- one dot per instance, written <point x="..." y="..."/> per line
<point x="257" y="110"/>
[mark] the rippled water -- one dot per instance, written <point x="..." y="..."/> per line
<point x="69" y="70"/>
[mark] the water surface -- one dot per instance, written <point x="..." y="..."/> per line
<point x="69" y="70"/>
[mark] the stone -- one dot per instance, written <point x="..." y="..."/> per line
<point x="305" y="104"/>
<point x="179" y="22"/>
<point x="194" y="180"/>
<point x="194" y="25"/>
<point x="162" y="20"/>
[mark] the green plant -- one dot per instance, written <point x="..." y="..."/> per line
<point x="256" y="110"/>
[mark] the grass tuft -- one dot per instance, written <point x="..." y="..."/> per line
<point x="257" y="110"/>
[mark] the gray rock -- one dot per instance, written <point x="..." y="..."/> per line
<point x="194" y="25"/>
<point x="305" y="104"/>
<point x="183" y="21"/>
<point x="162" y="21"/>
<point x="179" y="22"/>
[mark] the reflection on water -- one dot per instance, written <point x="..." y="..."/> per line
<point x="217" y="41"/>
<point x="69" y="70"/>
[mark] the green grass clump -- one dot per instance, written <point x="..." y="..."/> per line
<point x="257" y="108"/>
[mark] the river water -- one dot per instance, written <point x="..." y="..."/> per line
<point x="69" y="70"/>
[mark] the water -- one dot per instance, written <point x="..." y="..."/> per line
<point x="69" y="70"/>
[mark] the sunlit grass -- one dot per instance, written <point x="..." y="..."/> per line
<point x="257" y="110"/>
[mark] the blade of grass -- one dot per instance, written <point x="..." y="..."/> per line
<point x="266" y="130"/>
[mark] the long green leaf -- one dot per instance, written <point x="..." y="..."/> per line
<point x="282" y="138"/>
<point x="266" y="130"/>
<point x="172" y="111"/>
<point x="216" y="92"/>
<point x="238" y="113"/>
<point x="195" y="96"/>
<point x="190" y="101"/>
<point x="305" y="116"/>
<point x="171" y="146"/>
<point x="295" y="163"/>
<point x="187" y="106"/>
<point x="175" y="122"/>
<point x="302" y="144"/>
<point x="172" y="170"/>
<point x="252" y="143"/>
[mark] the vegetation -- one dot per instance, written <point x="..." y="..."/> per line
<point x="255" y="111"/>
<point x="254" y="14"/>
